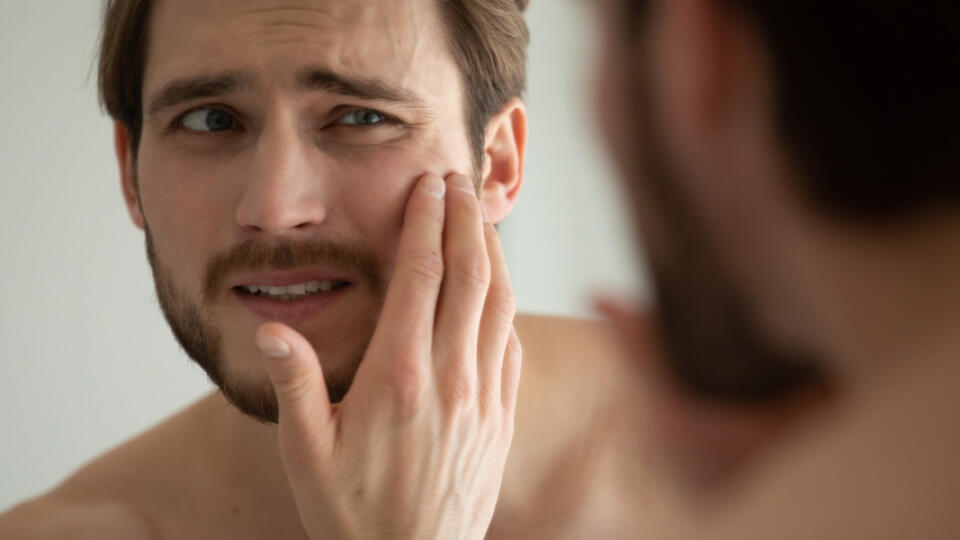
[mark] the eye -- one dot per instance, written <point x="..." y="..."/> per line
<point x="208" y="120"/>
<point x="362" y="117"/>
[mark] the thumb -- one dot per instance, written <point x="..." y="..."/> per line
<point x="302" y="401"/>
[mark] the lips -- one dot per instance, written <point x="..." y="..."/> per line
<point x="293" y="292"/>
<point x="289" y="296"/>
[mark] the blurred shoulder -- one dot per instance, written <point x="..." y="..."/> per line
<point x="574" y="366"/>
<point x="564" y="346"/>
<point x="564" y="335"/>
<point x="50" y="517"/>
<point x="576" y="447"/>
<point x="882" y="466"/>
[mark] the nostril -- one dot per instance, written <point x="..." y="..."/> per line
<point x="252" y="228"/>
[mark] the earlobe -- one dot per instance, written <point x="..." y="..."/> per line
<point x="128" y="176"/>
<point x="506" y="142"/>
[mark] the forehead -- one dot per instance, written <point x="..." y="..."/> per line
<point x="400" y="42"/>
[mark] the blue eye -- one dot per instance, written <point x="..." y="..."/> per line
<point x="209" y="120"/>
<point x="362" y="117"/>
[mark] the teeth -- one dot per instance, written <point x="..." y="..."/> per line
<point x="291" y="292"/>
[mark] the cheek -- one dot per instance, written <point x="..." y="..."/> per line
<point x="374" y="190"/>
<point x="183" y="208"/>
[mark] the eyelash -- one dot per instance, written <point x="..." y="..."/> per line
<point x="177" y="125"/>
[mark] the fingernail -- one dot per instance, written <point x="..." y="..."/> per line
<point x="434" y="185"/>
<point x="483" y="212"/>
<point x="462" y="183"/>
<point x="272" y="347"/>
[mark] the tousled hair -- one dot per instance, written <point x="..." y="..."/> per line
<point x="866" y="100"/>
<point x="488" y="40"/>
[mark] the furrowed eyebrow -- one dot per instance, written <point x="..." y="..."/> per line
<point x="183" y="90"/>
<point x="368" y="89"/>
<point x="311" y="80"/>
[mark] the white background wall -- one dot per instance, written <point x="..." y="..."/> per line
<point x="87" y="360"/>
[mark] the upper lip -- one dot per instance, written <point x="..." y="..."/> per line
<point x="286" y="278"/>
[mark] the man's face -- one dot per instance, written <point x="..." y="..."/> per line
<point x="280" y="143"/>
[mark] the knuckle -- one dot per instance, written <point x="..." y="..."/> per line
<point x="502" y="304"/>
<point x="426" y="265"/>
<point x="513" y="359"/>
<point x="486" y="400"/>
<point x="515" y="350"/>
<point x="408" y="381"/>
<point x="459" y="386"/>
<point x="472" y="270"/>
<point x="293" y="386"/>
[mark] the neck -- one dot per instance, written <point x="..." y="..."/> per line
<point x="889" y="298"/>
<point x="245" y="461"/>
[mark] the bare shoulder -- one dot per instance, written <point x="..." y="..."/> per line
<point x="116" y="494"/>
<point x="53" y="518"/>
<point x="558" y="349"/>
<point x="570" y="328"/>
<point x="565" y="338"/>
<point x="575" y="468"/>
<point x="885" y="467"/>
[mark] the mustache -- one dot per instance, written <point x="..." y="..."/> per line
<point x="254" y="255"/>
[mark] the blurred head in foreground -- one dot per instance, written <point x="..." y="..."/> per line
<point x="795" y="171"/>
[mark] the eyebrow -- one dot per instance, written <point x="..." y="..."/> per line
<point x="309" y="80"/>
<point x="365" y="88"/>
<point x="183" y="90"/>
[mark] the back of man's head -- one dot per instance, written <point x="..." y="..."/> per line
<point x="795" y="168"/>
<point x="867" y="102"/>
<point x="866" y="99"/>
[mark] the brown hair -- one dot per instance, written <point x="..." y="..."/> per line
<point x="488" y="39"/>
<point x="866" y="100"/>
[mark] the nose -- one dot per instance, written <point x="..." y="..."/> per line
<point x="282" y="192"/>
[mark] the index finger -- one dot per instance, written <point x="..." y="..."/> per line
<point x="406" y="319"/>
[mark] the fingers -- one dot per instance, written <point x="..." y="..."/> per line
<point x="297" y="378"/>
<point x="465" y="281"/>
<point x="407" y="318"/>
<point x="496" y="326"/>
<point x="512" y="361"/>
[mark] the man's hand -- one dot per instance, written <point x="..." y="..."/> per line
<point x="418" y="446"/>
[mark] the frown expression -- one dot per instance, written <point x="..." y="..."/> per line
<point x="280" y="143"/>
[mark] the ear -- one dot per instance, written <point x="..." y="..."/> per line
<point x="506" y="142"/>
<point x="128" y="177"/>
<point x="711" y="84"/>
